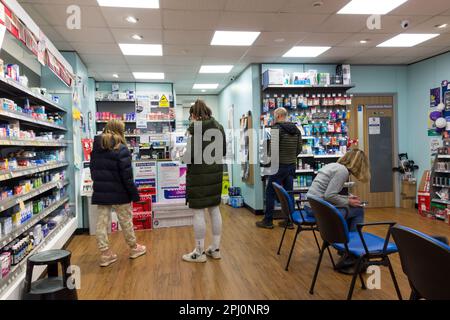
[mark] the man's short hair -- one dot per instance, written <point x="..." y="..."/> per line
<point x="281" y="112"/>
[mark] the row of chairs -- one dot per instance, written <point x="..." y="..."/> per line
<point x="425" y="260"/>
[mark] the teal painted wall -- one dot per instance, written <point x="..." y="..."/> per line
<point x="74" y="133"/>
<point x="244" y="94"/>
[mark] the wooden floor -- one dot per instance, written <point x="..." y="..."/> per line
<point x="249" y="269"/>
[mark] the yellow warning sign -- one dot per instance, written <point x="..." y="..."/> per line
<point x="163" y="102"/>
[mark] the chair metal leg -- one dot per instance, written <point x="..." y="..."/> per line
<point x="317" y="241"/>
<point x="355" y="274"/>
<point x="282" y="239"/>
<point x="331" y="258"/>
<point x="394" y="280"/>
<point x="292" y="248"/>
<point x="363" y="284"/>
<point x="313" y="284"/>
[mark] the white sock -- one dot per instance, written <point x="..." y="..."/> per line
<point x="199" y="230"/>
<point x="216" y="221"/>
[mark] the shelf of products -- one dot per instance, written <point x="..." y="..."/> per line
<point x="18" y="230"/>
<point x="15" y="89"/>
<point x="13" y="115"/>
<point x="317" y="87"/>
<point x="60" y="224"/>
<point x="26" y="194"/>
<point x="12" y="174"/>
<point x="116" y="100"/>
<point x="32" y="143"/>
<point x="444" y="156"/>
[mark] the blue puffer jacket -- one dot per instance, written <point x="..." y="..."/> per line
<point x="112" y="174"/>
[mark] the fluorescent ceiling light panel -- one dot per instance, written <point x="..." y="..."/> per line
<point x="144" y="4"/>
<point x="134" y="49"/>
<point x="408" y="39"/>
<point x="234" y="38"/>
<point x="305" y="52"/>
<point x="371" y="6"/>
<point x="149" y="75"/>
<point x="216" y="69"/>
<point x="205" y="86"/>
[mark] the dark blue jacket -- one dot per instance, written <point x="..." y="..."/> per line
<point x="112" y="174"/>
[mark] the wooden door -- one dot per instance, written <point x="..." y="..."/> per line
<point x="376" y="116"/>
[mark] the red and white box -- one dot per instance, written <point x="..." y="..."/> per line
<point x="424" y="201"/>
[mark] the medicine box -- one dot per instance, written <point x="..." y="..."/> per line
<point x="273" y="77"/>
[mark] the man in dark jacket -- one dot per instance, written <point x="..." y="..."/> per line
<point x="290" y="146"/>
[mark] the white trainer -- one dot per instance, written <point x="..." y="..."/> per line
<point x="194" y="256"/>
<point x="215" y="254"/>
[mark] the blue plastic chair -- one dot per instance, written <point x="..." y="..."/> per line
<point x="300" y="218"/>
<point x="425" y="261"/>
<point x="367" y="248"/>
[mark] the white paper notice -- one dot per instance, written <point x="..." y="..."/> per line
<point x="374" y="126"/>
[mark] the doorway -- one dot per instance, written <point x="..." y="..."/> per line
<point x="374" y="125"/>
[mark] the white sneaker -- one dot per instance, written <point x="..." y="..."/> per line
<point x="194" y="256"/>
<point x="215" y="254"/>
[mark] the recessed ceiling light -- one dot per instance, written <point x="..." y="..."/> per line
<point x="145" y="4"/>
<point x="137" y="37"/>
<point x="149" y="75"/>
<point x="234" y="38"/>
<point x="317" y="4"/>
<point x="305" y="52"/>
<point x="371" y="6"/>
<point x="279" y="40"/>
<point x="203" y="90"/>
<point x="408" y="39"/>
<point x="363" y="41"/>
<point x="441" y="26"/>
<point x="200" y="86"/>
<point x="133" y="49"/>
<point x="115" y="75"/>
<point x="132" y="19"/>
<point x="216" y="69"/>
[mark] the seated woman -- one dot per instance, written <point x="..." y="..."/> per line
<point x="330" y="181"/>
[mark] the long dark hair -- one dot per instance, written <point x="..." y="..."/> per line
<point x="200" y="111"/>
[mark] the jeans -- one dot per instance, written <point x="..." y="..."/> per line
<point x="285" y="178"/>
<point x="355" y="216"/>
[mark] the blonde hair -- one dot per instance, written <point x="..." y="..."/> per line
<point x="113" y="135"/>
<point x="357" y="163"/>
<point x="281" y="112"/>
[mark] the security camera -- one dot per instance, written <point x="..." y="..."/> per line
<point x="405" y="24"/>
<point x="232" y="78"/>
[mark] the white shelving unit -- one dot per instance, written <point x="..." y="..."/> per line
<point x="11" y="286"/>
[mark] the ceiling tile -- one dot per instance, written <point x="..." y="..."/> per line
<point x="187" y="37"/>
<point x="442" y="40"/>
<point x="420" y="51"/>
<point x="194" y="4"/>
<point x="343" y="23"/>
<point x="52" y="34"/>
<point x="297" y="22"/>
<point x="122" y="35"/>
<point x="103" y="60"/>
<point x="324" y="39"/>
<point x="97" y="48"/>
<point x="259" y="51"/>
<point x="57" y="15"/>
<point x="34" y="14"/>
<point x="92" y="35"/>
<point x="148" y="18"/>
<point x="190" y="20"/>
<point x="279" y="39"/>
<point x="374" y="39"/>
<point x="142" y="60"/>
<point x="187" y="50"/>
<point x="244" y="21"/>
<point x="182" y="60"/>
<point x="255" y="5"/>
<point x="226" y="52"/>
<point x="421" y="7"/>
<point x="306" y="6"/>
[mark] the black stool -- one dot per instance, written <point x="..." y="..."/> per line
<point x="53" y="287"/>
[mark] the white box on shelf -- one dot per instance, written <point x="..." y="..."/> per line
<point x="172" y="222"/>
<point x="273" y="77"/>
